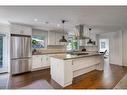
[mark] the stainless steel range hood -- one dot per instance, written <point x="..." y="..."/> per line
<point x="82" y="32"/>
<point x="83" y="35"/>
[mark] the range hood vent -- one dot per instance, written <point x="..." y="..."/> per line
<point x="82" y="32"/>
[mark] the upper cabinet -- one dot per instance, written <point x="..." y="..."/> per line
<point x="51" y="38"/>
<point x="20" y="29"/>
<point x="54" y="37"/>
<point x="58" y="37"/>
<point x="83" y="42"/>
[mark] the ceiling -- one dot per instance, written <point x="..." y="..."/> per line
<point x="49" y="17"/>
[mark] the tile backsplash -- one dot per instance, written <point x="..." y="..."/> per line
<point x="56" y="47"/>
<point x="89" y="48"/>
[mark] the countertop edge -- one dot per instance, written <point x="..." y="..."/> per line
<point x="76" y="57"/>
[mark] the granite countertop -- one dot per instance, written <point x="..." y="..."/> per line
<point x="44" y="53"/>
<point x="69" y="56"/>
<point x="56" y="52"/>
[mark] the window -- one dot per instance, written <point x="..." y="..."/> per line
<point x="38" y="41"/>
<point x="72" y="43"/>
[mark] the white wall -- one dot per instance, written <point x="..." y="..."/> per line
<point x="124" y="47"/>
<point x="5" y="29"/>
<point x="115" y="46"/>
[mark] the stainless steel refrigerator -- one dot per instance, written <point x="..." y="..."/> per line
<point x="20" y="53"/>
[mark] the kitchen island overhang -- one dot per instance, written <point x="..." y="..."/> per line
<point x="64" y="67"/>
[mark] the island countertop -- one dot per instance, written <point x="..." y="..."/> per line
<point x="66" y="56"/>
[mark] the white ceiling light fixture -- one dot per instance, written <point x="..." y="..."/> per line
<point x="35" y="19"/>
<point x="58" y="25"/>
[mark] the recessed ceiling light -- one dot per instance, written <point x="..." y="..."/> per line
<point x="58" y="25"/>
<point x="36" y="19"/>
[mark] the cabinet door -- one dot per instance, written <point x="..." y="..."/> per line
<point x="51" y="38"/>
<point x="58" y="37"/>
<point x="15" y="29"/>
<point x="45" y="61"/>
<point x="19" y="29"/>
<point x="25" y="30"/>
<point x="36" y="61"/>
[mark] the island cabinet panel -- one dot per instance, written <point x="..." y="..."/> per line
<point x="64" y="70"/>
<point x="81" y="63"/>
<point x="61" y="71"/>
<point x="68" y="74"/>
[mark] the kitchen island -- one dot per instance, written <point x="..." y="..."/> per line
<point x="64" y="67"/>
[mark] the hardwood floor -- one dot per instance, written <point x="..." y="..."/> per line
<point x="92" y="80"/>
<point x="22" y="80"/>
<point x="100" y="80"/>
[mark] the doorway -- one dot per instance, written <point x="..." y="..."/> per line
<point x="104" y="47"/>
<point x="3" y="57"/>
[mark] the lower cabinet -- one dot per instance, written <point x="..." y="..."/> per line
<point x="40" y="62"/>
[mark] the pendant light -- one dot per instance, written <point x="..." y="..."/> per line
<point x="90" y="40"/>
<point x="63" y="37"/>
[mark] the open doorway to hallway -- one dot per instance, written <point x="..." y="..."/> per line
<point x="104" y="48"/>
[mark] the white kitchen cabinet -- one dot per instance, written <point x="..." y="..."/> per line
<point x="81" y="63"/>
<point x="51" y="38"/>
<point x="54" y="37"/>
<point x="83" y="42"/>
<point x="46" y="61"/>
<point x="36" y="62"/>
<point x="58" y="37"/>
<point x="40" y="62"/>
<point x="20" y="29"/>
<point x="61" y="71"/>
